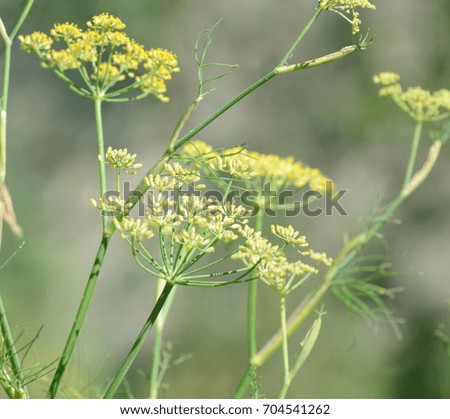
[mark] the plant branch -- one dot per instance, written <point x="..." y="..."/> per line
<point x="117" y="380"/>
<point x="101" y="153"/>
<point x="11" y="351"/>
<point x="8" y="39"/>
<point x="317" y="61"/>
<point x="157" y="371"/>
<point x="79" y="318"/>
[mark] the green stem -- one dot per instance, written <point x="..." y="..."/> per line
<point x="317" y="61"/>
<point x="162" y="318"/>
<point x="5" y="329"/>
<point x="413" y="154"/>
<point x="101" y="153"/>
<point x="252" y="299"/>
<point x="252" y="293"/>
<point x="307" y="346"/>
<point x="11" y="352"/>
<point x="285" y="339"/>
<point x="238" y="98"/>
<point x="289" y="52"/>
<point x="4" y="107"/>
<point x="294" y="322"/>
<point x="21" y="19"/>
<point x="79" y="318"/>
<point x="118" y="182"/>
<point x="117" y="380"/>
<point x="157" y="344"/>
<point x="182" y="122"/>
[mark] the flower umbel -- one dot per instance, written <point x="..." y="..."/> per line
<point x="346" y="8"/>
<point x="257" y="169"/>
<point x="422" y="105"/>
<point x="109" y="63"/>
<point x="121" y="159"/>
<point x="270" y="260"/>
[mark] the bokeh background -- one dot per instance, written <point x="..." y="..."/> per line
<point x="329" y="117"/>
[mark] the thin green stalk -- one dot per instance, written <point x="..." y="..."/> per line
<point x="307" y="346"/>
<point x="238" y="98"/>
<point x="117" y="380"/>
<point x="316" y="62"/>
<point x="118" y="182"/>
<point x="8" y="39"/>
<point x="21" y="19"/>
<point x="289" y="52"/>
<point x="2" y="145"/>
<point x="413" y="154"/>
<point x="285" y="339"/>
<point x="3" y="108"/>
<point x="101" y="153"/>
<point x="293" y="323"/>
<point x="252" y="299"/>
<point x="79" y="319"/>
<point x="244" y="383"/>
<point x="162" y="318"/>
<point x="157" y="345"/>
<point x="11" y="352"/>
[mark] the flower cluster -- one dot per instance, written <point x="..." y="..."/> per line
<point x="422" y="105"/>
<point x="346" y="8"/>
<point x="122" y="160"/>
<point x="270" y="261"/>
<point x="191" y="226"/>
<point x="104" y="56"/>
<point x="112" y="205"/>
<point x="257" y="168"/>
<point x="188" y="226"/>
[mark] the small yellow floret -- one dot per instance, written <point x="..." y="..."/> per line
<point x="106" y="22"/>
<point x="37" y="41"/>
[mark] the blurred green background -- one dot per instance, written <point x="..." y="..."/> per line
<point x="329" y="117"/>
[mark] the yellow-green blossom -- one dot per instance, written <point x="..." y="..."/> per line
<point x="121" y="159"/>
<point x="66" y="31"/>
<point x="270" y="261"/>
<point x="233" y="166"/>
<point x="108" y="74"/>
<point x="83" y="50"/>
<point x="281" y="172"/>
<point x="182" y="174"/>
<point x="422" y="105"/>
<point x="346" y="8"/>
<point x="153" y="85"/>
<point x="386" y="78"/>
<point x="192" y="239"/>
<point x="112" y="205"/>
<point x="190" y="226"/>
<point x="106" y="22"/>
<point x="160" y="183"/>
<point x="35" y="42"/>
<point x="289" y="235"/>
<point x="62" y="60"/>
<point x="135" y="229"/>
<point x="105" y="55"/>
